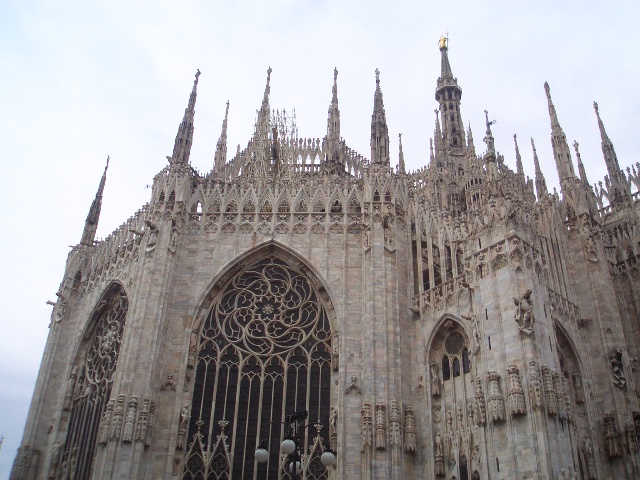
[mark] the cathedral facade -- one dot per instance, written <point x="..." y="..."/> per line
<point x="456" y="322"/>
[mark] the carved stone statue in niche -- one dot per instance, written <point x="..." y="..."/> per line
<point x="590" y="249"/>
<point x="153" y="237"/>
<point x="473" y="318"/>
<point x="435" y="379"/>
<point x="587" y="451"/>
<point x="439" y="456"/>
<point x="577" y="386"/>
<point x="173" y="241"/>
<point x="184" y="424"/>
<point x="524" y="312"/>
<point x="615" y="363"/>
<point x="68" y="398"/>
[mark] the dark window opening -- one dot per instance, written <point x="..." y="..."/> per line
<point x="446" y="371"/>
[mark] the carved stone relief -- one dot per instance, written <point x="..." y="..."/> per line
<point x="366" y="425"/>
<point x="410" y="438"/>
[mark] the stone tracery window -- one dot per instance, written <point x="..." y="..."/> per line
<point x="264" y="352"/>
<point x="90" y="384"/>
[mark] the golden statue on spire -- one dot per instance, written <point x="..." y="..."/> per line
<point x="442" y="43"/>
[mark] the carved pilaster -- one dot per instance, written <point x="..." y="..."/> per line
<point x="480" y="408"/>
<point x="381" y="425"/>
<point x="143" y="422"/>
<point x="130" y="421"/>
<point x="535" y="386"/>
<point x="515" y="393"/>
<point x="549" y="392"/>
<point x="105" y="423"/>
<point x="496" y="401"/>
<point x="116" y="420"/>
<point x="410" y="438"/>
<point x="611" y="436"/>
<point x="395" y="432"/>
<point x="366" y="425"/>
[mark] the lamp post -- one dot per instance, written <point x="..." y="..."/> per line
<point x="293" y="444"/>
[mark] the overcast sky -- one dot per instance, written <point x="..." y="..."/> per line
<point x="82" y="80"/>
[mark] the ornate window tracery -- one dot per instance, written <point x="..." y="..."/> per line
<point x="264" y="352"/>
<point x="454" y="420"/>
<point x="90" y="384"/>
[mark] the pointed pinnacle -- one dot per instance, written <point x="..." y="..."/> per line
<point x="552" y="109"/>
<point x="519" y="167"/>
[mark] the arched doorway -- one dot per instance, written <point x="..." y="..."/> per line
<point x="264" y="351"/>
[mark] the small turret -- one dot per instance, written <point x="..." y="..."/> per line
<point x="184" y="137"/>
<point x="379" y="130"/>
<point x="91" y="223"/>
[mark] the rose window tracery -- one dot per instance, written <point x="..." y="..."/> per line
<point x="264" y="352"/>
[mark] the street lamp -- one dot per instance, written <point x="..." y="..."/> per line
<point x="293" y="443"/>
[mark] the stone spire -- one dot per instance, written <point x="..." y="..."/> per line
<point x="620" y="191"/>
<point x="448" y="95"/>
<point x="262" y="125"/>
<point x="581" y="170"/>
<point x="333" y="119"/>
<point x="541" y="183"/>
<point x="401" y="166"/>
<point x="184" y="138"/>
<point x="438" y="136"/>
<point x="379" y="130"/>
<point x="91" y="223"/>
<point x="221" y="148"/>
<point x="519" y="167"/>
<point x="561" y="152"/>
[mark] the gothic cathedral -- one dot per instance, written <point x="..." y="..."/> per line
<point x="455" y="322"/>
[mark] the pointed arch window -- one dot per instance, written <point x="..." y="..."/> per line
<point x="264" y="352"/>
<point x="91" y="379"/>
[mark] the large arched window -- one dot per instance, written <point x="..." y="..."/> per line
<point x="90" y="383"/>
<point x="264" y="352"/>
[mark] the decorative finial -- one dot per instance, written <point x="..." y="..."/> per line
<point x="377" y="76"/>
<point x="547" y="90"/>
<point x="107" y="165"/>
<point x="335" y="74"/>
<point x="595" y="106"/>
<point x="197" y="75"/>
<point x="400" y="137"/>
<point x="442" y="43"/>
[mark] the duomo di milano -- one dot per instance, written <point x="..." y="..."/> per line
<point x="455" y="322"/>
